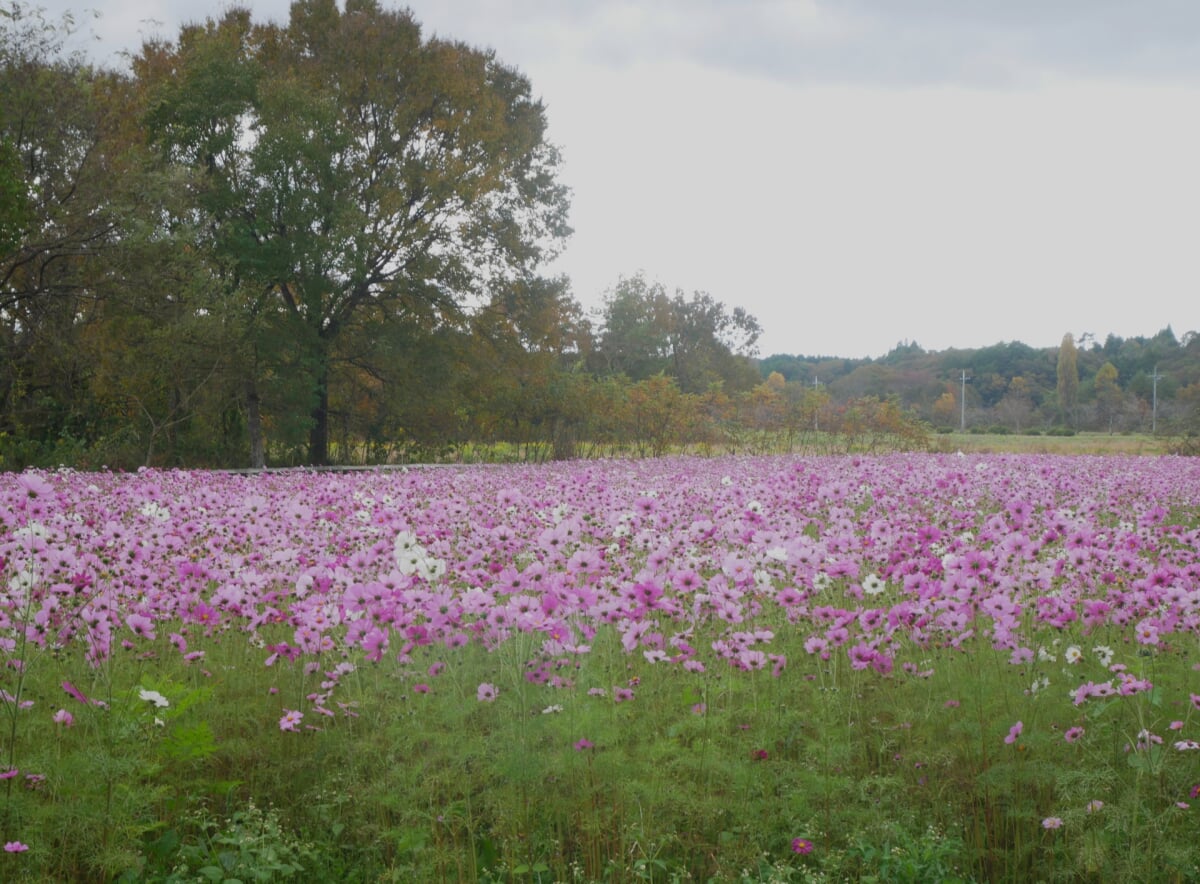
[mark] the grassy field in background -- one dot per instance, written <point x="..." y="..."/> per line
<point x="1081" y="443"/>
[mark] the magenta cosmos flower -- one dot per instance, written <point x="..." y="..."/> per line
<point x="801" y="846"/>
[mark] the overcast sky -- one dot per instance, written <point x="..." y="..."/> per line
<point x="856" y="173"/>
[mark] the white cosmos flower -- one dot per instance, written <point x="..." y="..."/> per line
<point x="430" y="568"/>
<point x="406" y="541"/>
<point x="152" y="510"/>
<point x="32" y="529"/>
<point x="154" y="697"/>
<point x="872" y="585"/>
<point x="23" y="581"/>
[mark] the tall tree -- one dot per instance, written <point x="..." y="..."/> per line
<point x="62" y="173"/>
<point x="1108" y="395"/>
<point x="635" y="339"/>
<point x="14" y="200"/>
<point x="356" y="173"/>
<point x="697" y="340"/>
<point x="1068" y="377"/>
<point x="709" y="343"/>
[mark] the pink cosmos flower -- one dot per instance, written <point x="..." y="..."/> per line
<point x="63" y="717"/>
<point x="1094" y="806"/>
<point x="1147" y="633"/>
<point x="486" y="692"/>
<point x="141" y="625"/>
<point x="583" y="744"/>
<point x="815" y="645"/>
<point x="802" y="846"/>
<point x="74" y="692"/>
<point x="291" y="718"/>
<point x="1073" y="734"/>
<point x="15" y="847"/>
<point x="1014" y="732"/>
<point x="1052" y="822"/>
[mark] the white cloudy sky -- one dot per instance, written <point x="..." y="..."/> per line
<point x="857" y="172"/>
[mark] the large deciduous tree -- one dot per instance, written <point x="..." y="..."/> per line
<point x="14" y="201"/>
<point x="61" y="176"/>
<point x="354" y="173"/>
<point x="696" y="340"/>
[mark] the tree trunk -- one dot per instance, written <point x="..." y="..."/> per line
<point x="318" y="434"/>
<point x="254" y="429"/>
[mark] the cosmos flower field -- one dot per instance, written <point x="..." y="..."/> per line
<point x="917" y="667"/>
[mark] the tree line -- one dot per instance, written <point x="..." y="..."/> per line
<point x="1118" y="385"/>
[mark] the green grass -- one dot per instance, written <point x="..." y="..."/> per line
<point x="1081" y="443"/>
<point x="903" y="779"/>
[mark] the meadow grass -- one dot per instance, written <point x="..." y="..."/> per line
<point x="699" y="776"/>
<point x="686" y="743"/>
<point x="1083" y="443"/>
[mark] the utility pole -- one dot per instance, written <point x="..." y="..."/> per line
<point x="962" y="401"/>
<point x="1156" y="377"/>
<point x="816" y="406"/>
